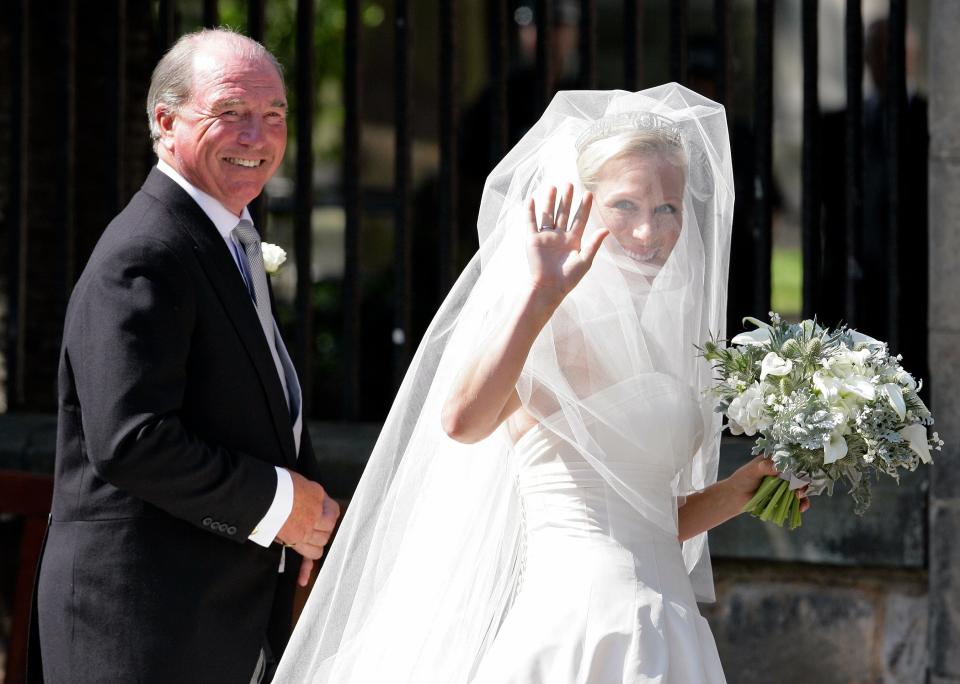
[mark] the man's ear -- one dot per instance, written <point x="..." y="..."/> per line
<point x="165" y="120"/>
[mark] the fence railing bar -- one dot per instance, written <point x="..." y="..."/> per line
<point x="15" y="214"/>
<point x="67" y="171"/>
<point x="588" y="44"/>
<point x="303" y="197"/>
<point x="499" y="28"/>
<point x="854" y="155"/>
<point x="403" y="171"/>
<point x="166" y="23"/>
<point x="543" y="14"/>
<point x="896" y="102"/>
<point x="763" y="155"/>
<point x="632" y="40"/>
<point x="679" y="19"/>
<point x="352" y="206"/>
<point x="256" y="19"/>
<point x="449" y="179"/>
<point x="256" y="24"/>
<point x="117" y="84"/>
<point x="723" y="49"/>
<point x="211" y="14"/>
<point x="810" y="209"/>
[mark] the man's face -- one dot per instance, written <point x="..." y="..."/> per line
<point x="229" y="138"/>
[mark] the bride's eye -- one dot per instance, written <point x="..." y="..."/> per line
<point x="624" y="205"/>
<point x="665" y="209"/>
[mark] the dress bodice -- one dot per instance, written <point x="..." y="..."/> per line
<point x="646" y="430"/>
<point x="603" y="594"/>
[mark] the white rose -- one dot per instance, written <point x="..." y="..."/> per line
<point x="773" y="364"/>
<point x="907" y="380"/>
<point x="747" y="412"/>
<point x="273" y="257"/>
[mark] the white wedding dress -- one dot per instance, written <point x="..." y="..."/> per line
<point x="604" y="596"/>
<point x="554" y="560"/>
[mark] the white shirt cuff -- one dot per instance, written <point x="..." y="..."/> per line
<point x="269" y="526"/>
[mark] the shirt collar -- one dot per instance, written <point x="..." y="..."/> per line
<point x="224" y="219"/>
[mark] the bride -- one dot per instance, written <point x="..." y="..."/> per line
<point x="536" y="507"/>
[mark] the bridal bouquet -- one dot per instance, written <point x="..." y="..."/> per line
<point x="829" y="405"/>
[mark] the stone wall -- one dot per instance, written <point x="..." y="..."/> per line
<point x="841" y="600"/>
<point x="944" y="279"/>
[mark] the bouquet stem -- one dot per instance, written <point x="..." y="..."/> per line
<point x="775" y="502"/>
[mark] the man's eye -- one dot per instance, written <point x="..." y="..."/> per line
<point x="230" y="114"/>
<point x="666" y="209"/>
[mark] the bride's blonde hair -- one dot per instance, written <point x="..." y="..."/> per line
<point x="596" y="152"/>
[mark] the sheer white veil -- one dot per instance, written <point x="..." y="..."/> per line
<point x="428" y="557"/>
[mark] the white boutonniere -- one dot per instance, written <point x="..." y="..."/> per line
<point x="273" y="257"/>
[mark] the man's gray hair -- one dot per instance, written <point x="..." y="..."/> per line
<point x="172" y="78"/>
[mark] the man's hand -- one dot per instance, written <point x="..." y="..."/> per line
<point x="310" y="523"/>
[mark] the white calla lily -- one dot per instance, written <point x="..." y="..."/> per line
<point x="916" y="435"/>
<point x="859" y="385"/>
<point x="895" y="397"/>
<point x="760" y="337"/>
<point x="834" y="448"/>
<point x="773" y="364"/>
<point x="861" y="340"/>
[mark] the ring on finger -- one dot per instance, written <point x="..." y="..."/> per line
<point x="544" y="227"/>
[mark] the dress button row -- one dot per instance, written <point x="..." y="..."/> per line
<point x="219" y="526"/>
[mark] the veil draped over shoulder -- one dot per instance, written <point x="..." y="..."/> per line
<point x="428" y="558"/>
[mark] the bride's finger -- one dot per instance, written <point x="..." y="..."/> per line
<point x="583" y="213"/>
<point x="532" y="216"/>
<point x="592" y="245"/>
<point x="546" y="221"/>
<point x="563" y="211"/>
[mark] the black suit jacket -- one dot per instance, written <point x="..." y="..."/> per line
<point x="171" y="420"/>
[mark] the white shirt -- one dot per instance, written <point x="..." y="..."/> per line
<point x="225" y="220"/>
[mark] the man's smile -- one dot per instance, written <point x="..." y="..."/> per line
<point x="246" y="163"/>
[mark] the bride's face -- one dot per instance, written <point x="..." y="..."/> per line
<point x="640" y="201"/>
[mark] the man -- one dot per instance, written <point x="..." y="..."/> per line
<point x="180" y="428"/>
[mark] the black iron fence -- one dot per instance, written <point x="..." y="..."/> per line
<point x="74" y="147"/>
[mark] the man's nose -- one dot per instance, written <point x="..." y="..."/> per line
<point x="251" y="133"/>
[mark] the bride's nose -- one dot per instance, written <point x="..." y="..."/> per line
<point x="644" y="229"/>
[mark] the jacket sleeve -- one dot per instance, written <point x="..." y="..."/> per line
<point x="128" y="340"/>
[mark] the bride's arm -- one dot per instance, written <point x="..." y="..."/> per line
<point x="725" y="499"/>
<point x="484" y="394"/>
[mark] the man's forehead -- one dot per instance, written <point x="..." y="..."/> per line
<point x="224" y="67"/>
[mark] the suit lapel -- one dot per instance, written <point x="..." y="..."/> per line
<point x="222" y="271"/>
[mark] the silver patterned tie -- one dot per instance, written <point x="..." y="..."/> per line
<point x="250" y="239"/>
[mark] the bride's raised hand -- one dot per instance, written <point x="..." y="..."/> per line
<point x="557" y="253"/>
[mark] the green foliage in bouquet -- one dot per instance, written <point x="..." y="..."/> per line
<point x="827" y="406"/>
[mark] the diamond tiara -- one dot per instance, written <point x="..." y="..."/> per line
<point x="630" y="121"/>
